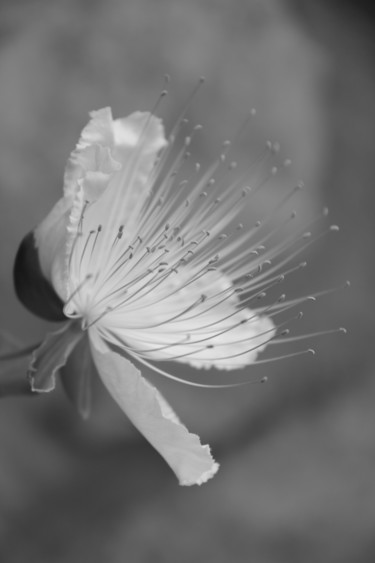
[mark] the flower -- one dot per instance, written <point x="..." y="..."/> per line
<point x="141" y="266"/>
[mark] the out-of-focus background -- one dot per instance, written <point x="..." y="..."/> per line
<point x="297" y="478"/>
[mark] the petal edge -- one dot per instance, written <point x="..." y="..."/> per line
<point x="151" y="414"/>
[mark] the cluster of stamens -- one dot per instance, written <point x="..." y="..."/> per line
<point x="186" y="237"/>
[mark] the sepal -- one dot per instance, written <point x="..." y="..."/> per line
<point x="76" y="377"/>
<point x="33" y="290"/>
<point x="51" y="356"/>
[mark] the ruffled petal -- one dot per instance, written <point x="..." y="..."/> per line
<point x="51" y="355"/>
<point x="154" y="418"/>
<point x="117" y="212"/>
<point x="88" y="172"/>
<point x="138" y="129"/>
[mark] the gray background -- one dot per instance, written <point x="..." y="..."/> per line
<point x="298" y="454"/>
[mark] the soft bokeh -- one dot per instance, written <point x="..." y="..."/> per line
<point x="297" y="479"/>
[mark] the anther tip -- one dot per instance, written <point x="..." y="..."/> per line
<point x="311" y="351"/>
<point x="347" y="283"/>
<point x="334" y="228"/>
<point x="343" y="330"/>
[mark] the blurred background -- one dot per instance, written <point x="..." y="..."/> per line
<point x="297" y="478"/>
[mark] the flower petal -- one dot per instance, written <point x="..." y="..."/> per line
<point x="138" y="140"/>
<point x="88" y="172"/>
<point x="154" y="418"/>
<point x="51" y="355"/>
<point x="198" y="322"/>
<point x="76" y="377"/>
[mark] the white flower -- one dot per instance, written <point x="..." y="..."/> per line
<point x="148" y="268"/>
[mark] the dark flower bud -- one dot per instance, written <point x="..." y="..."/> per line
<point x="32" y="288"/>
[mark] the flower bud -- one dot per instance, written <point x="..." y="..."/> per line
<point x="32" y="288"/>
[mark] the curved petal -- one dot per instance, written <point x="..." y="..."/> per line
<point x="198" y="322"/>
<point x="88" y="171"/>
<point x="51" y="355"/>
<point x="116" y="213"/>
<point x="154" y="418"/>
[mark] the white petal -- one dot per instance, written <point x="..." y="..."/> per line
<point x="138" y="140"/>
<point x="154" y="418"/>
<point x="87" y="173"/>
<point x="200" y="323"/>
<point x="50" y="239"/>
<point x="139" y="128"/>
